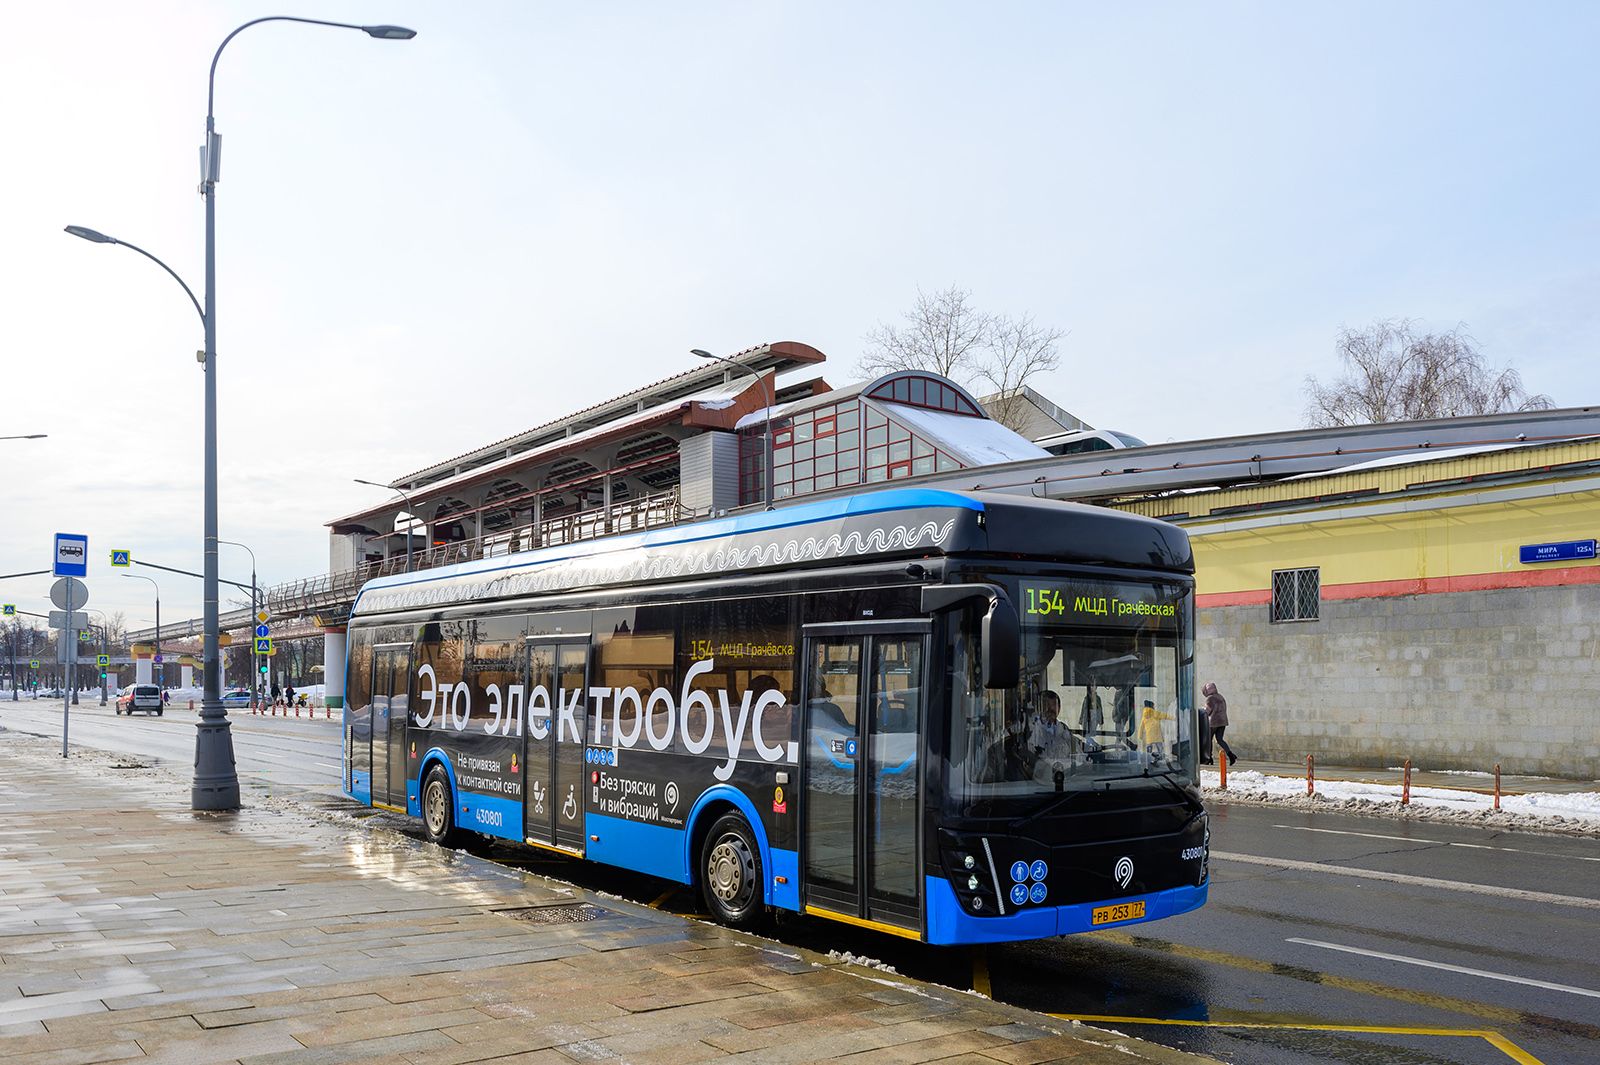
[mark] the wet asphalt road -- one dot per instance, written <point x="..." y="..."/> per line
<point x="1318" y="925"/>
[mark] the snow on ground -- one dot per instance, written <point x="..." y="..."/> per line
<point x="1563" y="811"/>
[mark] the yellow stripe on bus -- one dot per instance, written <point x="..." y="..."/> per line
<point x="862" y="922"/>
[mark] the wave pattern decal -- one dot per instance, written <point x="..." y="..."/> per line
<point x="640" y="566"/>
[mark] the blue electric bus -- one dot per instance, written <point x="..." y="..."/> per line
<point x="954" y="717"/>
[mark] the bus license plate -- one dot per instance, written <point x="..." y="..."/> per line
<point x="1125" y="911"/>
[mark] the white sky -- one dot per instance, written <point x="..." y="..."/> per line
<point x="431" y="244"/>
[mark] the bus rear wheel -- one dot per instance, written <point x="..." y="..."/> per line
<point x="730" y="873"/>
<point x="438" y="808"/>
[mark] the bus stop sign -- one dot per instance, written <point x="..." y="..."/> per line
<point x="71" y="558"/>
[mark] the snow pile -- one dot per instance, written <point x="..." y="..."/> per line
<point x="1531" y="809"/>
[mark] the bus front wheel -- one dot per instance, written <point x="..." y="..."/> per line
<point x="730" y="873"/>
<point x="438" y="808"/>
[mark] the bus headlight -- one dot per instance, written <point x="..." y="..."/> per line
<point x="972" y="883"/>
<point x="971" y="863"/>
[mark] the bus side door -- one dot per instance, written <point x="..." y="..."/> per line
<point x="391" y="682"/>
<point x="861" y="825"/>
<point x="552" y="784"/>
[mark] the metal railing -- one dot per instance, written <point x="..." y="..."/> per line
<point x="331" y="594"/>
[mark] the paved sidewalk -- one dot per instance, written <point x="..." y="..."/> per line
<point x="134" y="930"/>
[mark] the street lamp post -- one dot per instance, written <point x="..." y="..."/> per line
<point x="216" y="777"/>
<point x="161" y="666"/>
<point x="104" y="649"/>
<point x="29" y="436"/>
<point x="772" y="401"/>
<point x="411" y="513"/>
<point x="255" y="671"/>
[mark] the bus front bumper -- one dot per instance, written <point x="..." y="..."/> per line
<point x="949" y="924"/>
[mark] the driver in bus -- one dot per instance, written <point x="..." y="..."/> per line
<point x="1048" y="737"/>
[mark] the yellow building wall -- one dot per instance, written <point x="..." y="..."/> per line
<point x="1482" y="538"/>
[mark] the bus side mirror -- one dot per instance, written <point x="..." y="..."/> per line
<point x="1001" y="640"/>
<point x="1002" y="645"/>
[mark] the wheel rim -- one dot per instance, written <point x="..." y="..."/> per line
<point x="731" y="873"/>
<point x="435" y="808"/>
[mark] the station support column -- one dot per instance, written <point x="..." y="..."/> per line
<point x="333" y="651"/>
<point x="143" y="663"/>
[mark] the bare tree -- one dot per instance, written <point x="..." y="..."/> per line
<point x="945" y="334"/>
<point x="1018" y="350"/>
<point x="1392" y="374"/>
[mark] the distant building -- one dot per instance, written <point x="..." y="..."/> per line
<point x="1033" y="415"/>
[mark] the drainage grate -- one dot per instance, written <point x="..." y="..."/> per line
<point x="564" y="913"/>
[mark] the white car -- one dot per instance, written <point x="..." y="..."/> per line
<point x="146" y="697"/>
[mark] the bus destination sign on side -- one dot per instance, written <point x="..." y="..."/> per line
<point x="1566" y="551"/>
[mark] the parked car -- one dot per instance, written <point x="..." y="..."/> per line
<point x="237" y="697"/>
<point x="146" y="697"/>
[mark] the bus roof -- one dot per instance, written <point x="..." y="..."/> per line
<point x="867" y="526"/>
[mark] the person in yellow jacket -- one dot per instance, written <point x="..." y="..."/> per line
<point x="1150" y="734"/>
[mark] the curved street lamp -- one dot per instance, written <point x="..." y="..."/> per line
<point x="411" y="513"/>
<point x="216" y="777"/>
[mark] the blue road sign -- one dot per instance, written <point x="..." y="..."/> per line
<point x="8" y="610"/>
<point x="71" y="558"/>
<point x="261" y="630"/>
<point x="1566" y="551"/>
<point x="122" y="558"/>
<point x="263" y="645"/>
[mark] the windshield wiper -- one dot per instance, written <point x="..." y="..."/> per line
<point x="1052" y="806"/>
<point x="1168" y="779"/>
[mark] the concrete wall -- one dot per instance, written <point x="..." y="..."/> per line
<point x="1457" y="680"/>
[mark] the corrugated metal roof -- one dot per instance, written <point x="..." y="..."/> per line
<point x="1391" y="475"/>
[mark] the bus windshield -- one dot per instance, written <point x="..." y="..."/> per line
<point x="1106" y="692"/>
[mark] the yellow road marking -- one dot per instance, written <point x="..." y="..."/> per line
<point x="1496" y="1014"/>
<point x="665" y="895"/>
<point x="1494" y="1039"/>
<point x="980" y="972"/>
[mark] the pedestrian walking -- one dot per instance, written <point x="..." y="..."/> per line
<point x="1217" y="717"/>
<point x="276" y="692"/>
<point x="288" y="695"/>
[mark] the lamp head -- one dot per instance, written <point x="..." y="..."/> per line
<point x="389" y="33"/>
<point x="91" y="234"/>
<point x="701" y="353"/>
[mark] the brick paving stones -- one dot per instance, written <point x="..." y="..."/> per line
<point x="133" y="930"/>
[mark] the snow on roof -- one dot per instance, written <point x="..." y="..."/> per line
<point x="975" y="441"/>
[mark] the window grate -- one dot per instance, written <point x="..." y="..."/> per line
<point x="1296" y="594"/>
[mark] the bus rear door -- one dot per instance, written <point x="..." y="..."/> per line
<point x="391" y="680"/>
<point x="863" y="726"/>
<point x="552" y="785"/>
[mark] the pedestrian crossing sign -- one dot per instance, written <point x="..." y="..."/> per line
<point x="102" y="661"/>
<point x="122" y="558"/>
<point x="9" y="610"/>
<point x="263" y="645"/>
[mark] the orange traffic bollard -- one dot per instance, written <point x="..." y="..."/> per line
<point x="1222" y="768"/>
<point x="191" y="704"/>
<point x="329" y="709"/>
<point x="1497" y="785"/>
<point x="1405" y="785"/>
<point x="1311" y="779"/>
